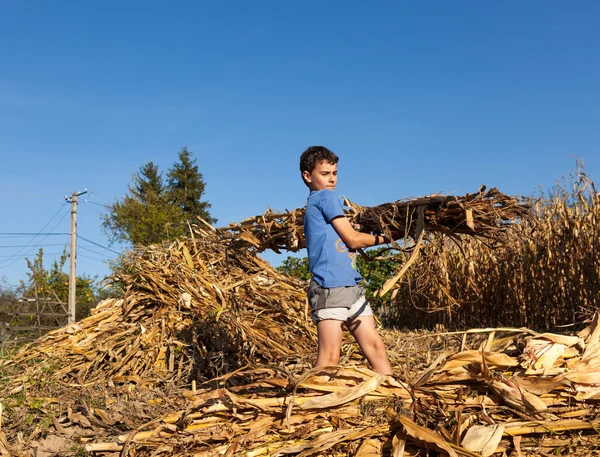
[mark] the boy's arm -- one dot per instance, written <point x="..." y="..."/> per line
<point x="354" y="239"/>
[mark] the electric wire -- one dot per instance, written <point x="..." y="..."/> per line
<point x="95" y="252"/>
<point x="10" y="259"/>
<point x="98" y="204"/>
<point x="28" y="234"/>
<point x="93" y="209"/>
<point x="99" y="196"/>
<point x="96" y="244"/>
<point x="26" y="255"/>
<point x="6" y="263"/>
<point x="105" y="261"/>
<point x="26" y="245"/>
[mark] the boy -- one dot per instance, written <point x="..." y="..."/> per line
<point x="334" y="294"/>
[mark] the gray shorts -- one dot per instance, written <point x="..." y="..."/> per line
<point x="338" y="303"/>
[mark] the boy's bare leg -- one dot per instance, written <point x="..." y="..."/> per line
<point x="329" y="333"/>
<point x="366" y="335"/>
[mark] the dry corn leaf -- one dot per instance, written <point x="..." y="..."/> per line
<point x="516" y="396"/>
<point x="344" y="396"/>
<point x="494" y="359"/>
<point x="428" y="436"/>
<point x="369" y="448"/>
<point x="483" y="439"/>
<point x="399" y="444"/>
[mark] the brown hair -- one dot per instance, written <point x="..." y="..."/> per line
<point x="313" y="156"/>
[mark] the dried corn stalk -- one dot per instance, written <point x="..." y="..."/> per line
<point x="481" y="214"/>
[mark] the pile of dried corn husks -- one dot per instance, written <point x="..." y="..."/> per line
<point x="526" y="392"/>
<point x="517" y="393"/>
<point x="208" y="351"/>
<point x="192" y="310"/>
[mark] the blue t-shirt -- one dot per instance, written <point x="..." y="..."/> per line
<point x="330" y="261"/>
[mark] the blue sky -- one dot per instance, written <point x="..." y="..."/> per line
<point x="415" y="98"/>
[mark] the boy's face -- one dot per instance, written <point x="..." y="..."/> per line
<point x="324" y="176"/>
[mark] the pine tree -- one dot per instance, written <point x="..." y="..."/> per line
<point x="149" y="185"/>
<point x="186" y="188"/>
<point x="153" y="212"/>
<point x="144" y="216"/>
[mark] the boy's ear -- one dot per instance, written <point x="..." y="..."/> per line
<point x="306" y="176"/>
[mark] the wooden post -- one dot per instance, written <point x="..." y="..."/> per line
<point x="73" y="257"/>
<point x="73" y="260"/>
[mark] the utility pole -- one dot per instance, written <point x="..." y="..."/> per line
<point x="73" y="255"/>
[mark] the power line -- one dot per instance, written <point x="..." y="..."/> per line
<point x="99" y="245"/>
<point x="7" y="262"/>
<point x="95" y="252"/>
<point x="95" y="193"/>
<point x="92" y="209"/>
<point x="24" y="256"/>
<point x="98" y="204"/>
<point x="8" y="234"/>
<point x="93" y="258"/>
<point x="26" y="245"/>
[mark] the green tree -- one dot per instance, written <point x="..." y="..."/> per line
<point x="186" y="188"/>
<point x="375" y="269"/>
<point x="153" y="212"/>
<point x="8" y="298"/>
<point x="144" y="216"/>
<point x="55" y="280"/>
<point x="296" y="267"/>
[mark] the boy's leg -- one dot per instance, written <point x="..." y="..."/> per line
<point x="329" y="333"/>
<point x="366" y="335"/>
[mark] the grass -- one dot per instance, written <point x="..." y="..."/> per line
<point x="6" y="351"/>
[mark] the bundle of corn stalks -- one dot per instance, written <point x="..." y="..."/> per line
<point x="482" y="214"/>
<point x="485" y="215"/>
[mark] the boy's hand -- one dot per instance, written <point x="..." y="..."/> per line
<point x="359" y="227"/>
<point x="355" y="226"/>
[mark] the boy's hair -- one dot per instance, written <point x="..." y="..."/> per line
<point x="313" y="156"/>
